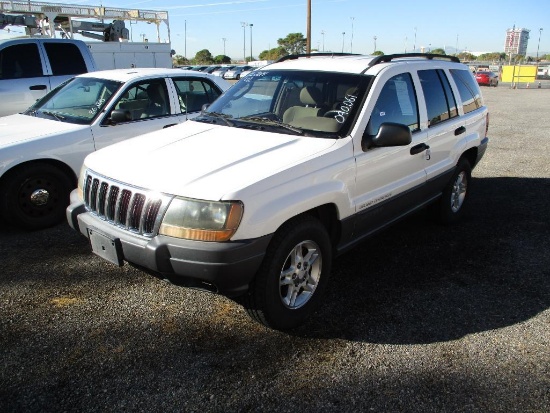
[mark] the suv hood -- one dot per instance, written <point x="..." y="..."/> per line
<point x="203" y="161"/>
<point x="19" y="128"/>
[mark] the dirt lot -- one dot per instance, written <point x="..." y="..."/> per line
<point x="422" y="318"/>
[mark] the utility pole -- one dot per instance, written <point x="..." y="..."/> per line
<point x="244" y="24"/>
<point x="251" y="58"/>
<point x="223" y="40"/>
<point x="308" y="35"/>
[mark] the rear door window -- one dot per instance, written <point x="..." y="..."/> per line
<point x="65" y="59"/>
<point x="440" y="101"/>
<point x="194" y="93"/>
<point x="468" y="90"/>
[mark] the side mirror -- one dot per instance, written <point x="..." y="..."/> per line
<point x="204" y="107"/>
<point x="120" y="116"/>
<point x="389" y="134"/>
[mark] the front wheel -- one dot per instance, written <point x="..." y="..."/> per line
<point x="450" y="206"/>
<point x="35" y="196"/>
<point x="290" y="282"/>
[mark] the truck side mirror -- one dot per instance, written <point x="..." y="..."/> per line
<point x="389" y="134"/>
<point x="120" y="116"/>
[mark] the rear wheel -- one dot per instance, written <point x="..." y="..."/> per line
<point x="35" y="195"/>
<point x="450" y="206"/>
<point x="290" y="283"/>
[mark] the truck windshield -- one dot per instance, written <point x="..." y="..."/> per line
<point x="310" y="103"/>
<point x="78" y="100"/>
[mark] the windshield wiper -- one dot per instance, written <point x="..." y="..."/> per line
<point x="221" y="116"/>
<point x="272" y="122"/>
<point x="57" y="116"/>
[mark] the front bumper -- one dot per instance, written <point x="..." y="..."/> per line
<point x="222" y="267"/>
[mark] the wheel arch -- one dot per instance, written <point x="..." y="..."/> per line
<point x="63" y="167"/>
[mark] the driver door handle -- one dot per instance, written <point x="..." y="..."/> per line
<point x="419" y="148"/>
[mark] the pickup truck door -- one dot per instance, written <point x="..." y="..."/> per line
<point x="150" y="106"/>
<point x="22" y="78"/>
<point x="389" y="180"/>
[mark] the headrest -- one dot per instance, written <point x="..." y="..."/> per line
<point x="310" y="95"/>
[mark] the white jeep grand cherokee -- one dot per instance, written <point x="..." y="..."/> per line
<point x="296" y="163"/>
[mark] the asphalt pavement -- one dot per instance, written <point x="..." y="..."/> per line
<point x="421" y="318"/>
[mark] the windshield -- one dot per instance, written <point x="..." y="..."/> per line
<point x="302" y="102"/>
<point x="78" y="100"/>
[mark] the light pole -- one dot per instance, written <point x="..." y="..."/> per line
<point x="244" y="25"/>
<point x="343" y="37"/>
<point x="375" y="43"/>
<point x="251" y="41"/>
<point x="323" y="34"/>
<point x="351" y="42"/>
<point x="414" y="46"/>
<point x="185" y="39"/>
<point x="223" y="40"/>
<point x="537" y="59"/>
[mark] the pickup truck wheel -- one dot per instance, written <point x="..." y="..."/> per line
<point x="450" y="206"/>
<point x="293" y="275"/>
<point x="35" y="196"/>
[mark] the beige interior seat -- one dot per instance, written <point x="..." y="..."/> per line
<point x="312" y="102"/>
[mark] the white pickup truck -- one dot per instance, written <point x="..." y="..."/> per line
<point x="31" y="67"/>
<point x="295" y="163"/>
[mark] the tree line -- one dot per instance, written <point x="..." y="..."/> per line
<point x="295" y="43"/>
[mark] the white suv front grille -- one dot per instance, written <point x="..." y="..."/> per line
<point x="130" y="208"/>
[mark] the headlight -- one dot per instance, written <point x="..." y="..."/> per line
<point x="81" y="178"/>
<point x="201" y="220"/>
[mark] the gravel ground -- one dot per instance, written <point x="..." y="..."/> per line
<point x="422" y="318"/>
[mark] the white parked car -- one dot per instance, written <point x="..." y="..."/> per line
<point x="296" y="163"/>
<point x="236" y="72"/>
<point x="42" y="149"/>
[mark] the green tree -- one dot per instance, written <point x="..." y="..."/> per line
<point x="438" y="51"/>
<point x="179" y="60"/>
<point x="493" y="56"/>
<point x="293" y="43"/>
<point x="378" y="53"/>
<point x="220" y="59"/>
<point x="273" y="54"/>
<point x="204" y="57"/>
<point x="466" y="57"/>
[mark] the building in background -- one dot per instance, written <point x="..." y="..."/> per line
<point x="516" y="41"/>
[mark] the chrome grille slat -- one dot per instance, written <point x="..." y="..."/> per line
<point x="130" y="208"/>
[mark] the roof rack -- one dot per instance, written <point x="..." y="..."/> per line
<point x="297" y="56"/>
<point x="390" y="57"/>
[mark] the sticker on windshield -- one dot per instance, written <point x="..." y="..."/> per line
<point x="96" y="106"/>
<point x="345" y="108"/>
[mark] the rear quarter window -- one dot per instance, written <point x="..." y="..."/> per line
<point x="468" y="89"/>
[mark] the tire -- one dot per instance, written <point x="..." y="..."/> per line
<point x="35" y="196"/>
<point x="290" y="282"/>
<point x="450" y="207"/>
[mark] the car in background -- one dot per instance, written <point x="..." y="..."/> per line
<point x="247" y="72"/>
<point x="210" y="69"/>
<point x="221" y="71"/>
<point x="235" y="73"/>
<point x="486" y="78"/>
<point x="43" y="148"/>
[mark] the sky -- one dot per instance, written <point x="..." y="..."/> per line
<point x="338" y="25"/>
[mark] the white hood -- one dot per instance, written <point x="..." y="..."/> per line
<point x="20" y="128"/>
<point x="203" y="161"/>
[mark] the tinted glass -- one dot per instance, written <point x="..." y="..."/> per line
<point x="440" y="102"/>
<point x="20" y="61"/>
<point x="65" y="59"/>
<point x="468" y="89"/>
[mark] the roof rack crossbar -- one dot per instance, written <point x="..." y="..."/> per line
<point x="390" y="57"/>
<point x="297" y="56"/>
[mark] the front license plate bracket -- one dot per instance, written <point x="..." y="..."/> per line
<point x="107" y="248"/>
